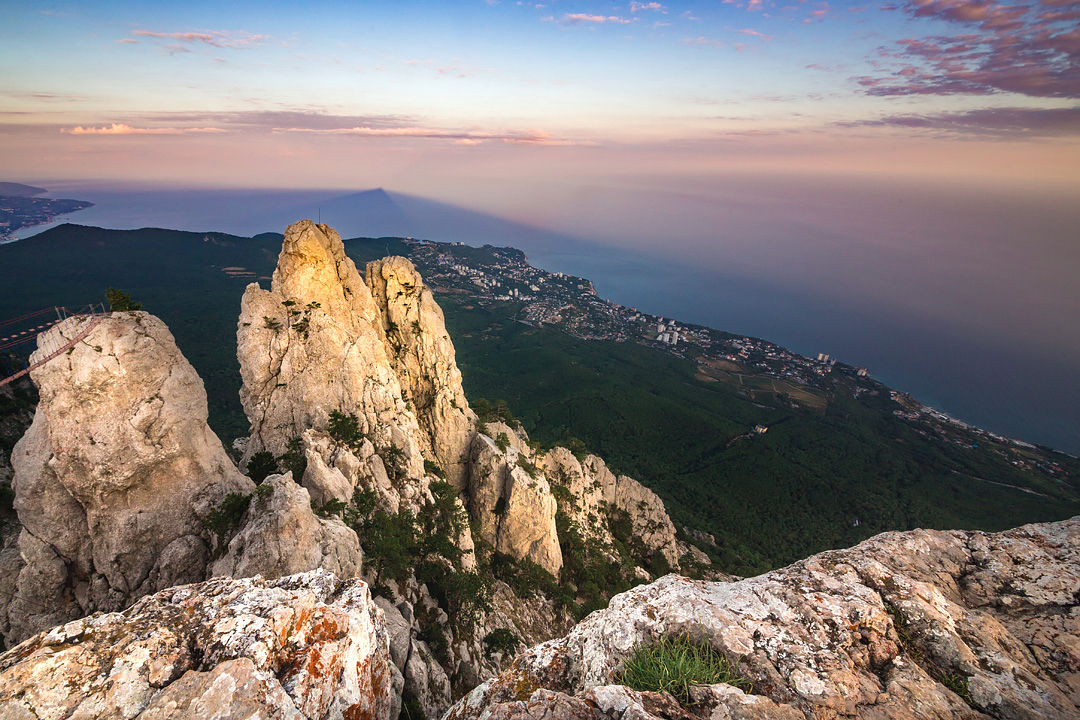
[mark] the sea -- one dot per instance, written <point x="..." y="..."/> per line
<point x="969" y="300"/>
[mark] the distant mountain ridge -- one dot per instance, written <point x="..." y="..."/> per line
<point x="367" y="213"/>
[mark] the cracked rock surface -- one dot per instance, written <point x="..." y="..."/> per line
<point x="114" y="475"/>
<point x="304" y="647"/>
<point x="920" y="624"/>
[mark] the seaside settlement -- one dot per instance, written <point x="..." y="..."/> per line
<point x="756" y="369"/>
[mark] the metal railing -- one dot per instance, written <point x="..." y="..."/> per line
<point x="22" y="337"/>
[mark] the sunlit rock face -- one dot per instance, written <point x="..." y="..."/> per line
<point x="325" y="339"/>
<point x="314" y="344"/>
<point x="921" y="624"/>
<point x="303" y="647"/>
<point x="595" y="494"/>
<point x="115" y="474"/>
<point x="512" y="503"/>
<point x="423" y="356"/>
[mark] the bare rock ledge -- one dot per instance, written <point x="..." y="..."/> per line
<point x="306" y="646"/>
<point x="920" y="624"/>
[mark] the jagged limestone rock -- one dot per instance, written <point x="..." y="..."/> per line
<point x="922" y="624"/>
<point x="423" y="357"/>
<point x="307" y="647"/>
<point x="512" y="505"/>
<point x="114" y="475"/>
<point x="596" y="494"/>
<point x="311" y="345"/>
<point x="281" y="535"/>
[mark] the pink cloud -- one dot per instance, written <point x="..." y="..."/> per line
<point x="123" y="129"/>
<point x="214" y="38"/>
<point x="702" y="41"/>
<point x="755" y="33"/>
<point x="1025" y="49"/>
<point x="458" y="137"/>
<point x="638" y="6"/>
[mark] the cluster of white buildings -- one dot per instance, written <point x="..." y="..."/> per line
<point x="667" y="334"/>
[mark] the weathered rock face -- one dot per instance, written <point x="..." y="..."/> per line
<point x="595" y="494"/>
<point x="303" y="647"/>
<point x="114" y="474"/>
<point x="282" y="536"/>
<point x="323" y="339"/>
<point x="922" y="624"/>
<point x="423" y="357"/>
<point x="513" y="505"/>
<point x="312" y="345"/>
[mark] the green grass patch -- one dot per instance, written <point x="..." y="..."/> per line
<point x="673" y="664"/>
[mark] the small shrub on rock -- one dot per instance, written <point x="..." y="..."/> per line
<point x="261" y="465"/>
<point x="501" y="641"/>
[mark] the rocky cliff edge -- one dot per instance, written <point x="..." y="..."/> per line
<point x="922" y="624"/>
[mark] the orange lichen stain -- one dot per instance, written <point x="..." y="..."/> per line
<point x="304" y="615"/>
<point x="360" y="711"/>
<point x="328" y="629"/>
<point x="522" y="686"/>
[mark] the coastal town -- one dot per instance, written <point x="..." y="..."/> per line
<point x="18" y="212"/>
<point x="757" y="370"/>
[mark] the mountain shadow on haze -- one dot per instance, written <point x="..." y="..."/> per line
<point x="378" y="213"/>
<point x="14" y="189"/>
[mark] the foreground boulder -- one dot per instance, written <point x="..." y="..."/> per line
<point x="114" y="476"/>
<point x="922" y="624"/>
<point x="303" y="647"/>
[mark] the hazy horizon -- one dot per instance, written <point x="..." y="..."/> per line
<point x="878" y="276"/>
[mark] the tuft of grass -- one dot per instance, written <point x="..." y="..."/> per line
<point x="673" y="664"/>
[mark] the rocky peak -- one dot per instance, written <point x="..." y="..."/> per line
<point x="314" y="345"/>
<point x="512" y="503"/>
<point x="325" y="341"/>
<point x="423" y="357"/>
<point x="114" y="475"/>
<point x="596" y="500"/>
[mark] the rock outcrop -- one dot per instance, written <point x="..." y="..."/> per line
<point x="424" y="359"/>
<point x="597" y="496"/>
<point x="512" y="504"/>
<point x="114" y="476"/>
<point x="303" y="647"/>
<point x="326" y="340"/>
<point x="312" y="345"/>
<point x="282" y="536"/>
<point x="922" y="624"/>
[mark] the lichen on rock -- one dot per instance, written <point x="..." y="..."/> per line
<point x="305" y="646"/>
<point x="922" y="624"/>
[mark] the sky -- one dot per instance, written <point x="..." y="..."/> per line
<point x="451" y="99"/>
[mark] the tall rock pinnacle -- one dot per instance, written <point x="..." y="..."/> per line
<point x="113" y="478"/>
